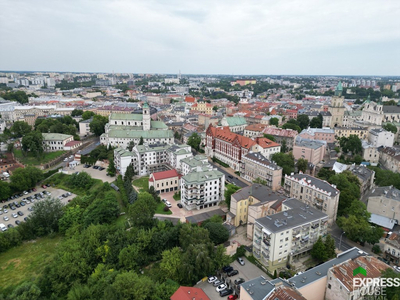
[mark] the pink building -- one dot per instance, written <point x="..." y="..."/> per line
<point x="311" y="150"/>
<point x="319" y="134"/>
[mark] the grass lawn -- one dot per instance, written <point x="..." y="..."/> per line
<point x="160" y="209"/>
<point x="177" y="196"/>
<point x="26" y="262"/>
<point x="31" y="160"/>
<point x="142" y="184"/>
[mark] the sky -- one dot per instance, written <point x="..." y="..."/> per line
<point x="255" y="37"/>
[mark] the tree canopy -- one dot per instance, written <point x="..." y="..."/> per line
<point x="194" y="141"/>
<point x="274" y="121"/>
<point x="390" y="127"/>
<point x="284" y="160"/>
<point x="351" y="144"/>
<point x="97" y="124"/>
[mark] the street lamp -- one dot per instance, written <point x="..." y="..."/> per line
<point x="340" y="241"/>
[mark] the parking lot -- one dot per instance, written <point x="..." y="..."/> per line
<point x="247" y="272"/>
<point x="55" y="193"/>
<point x="95" y="173"/>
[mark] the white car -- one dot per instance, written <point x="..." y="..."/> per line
<point x="221" y="287"/>
<point x="396" y="268"/>
<point x="168" y="204"/>
<point x="5" y="218"/>
<point x="211" y="279"/>
<point x="25" y="193"/>
<point x="14" y="215"/>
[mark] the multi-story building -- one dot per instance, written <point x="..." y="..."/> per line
<point x="251" y="203"/>
<point x="370" y="153"/>
<point x="391" y="248"/>
<point x="337" y="108"/>
<point x="202" y="107"/>
<point x="176" y="153"/>
<point x="165" y="181"/>
<point x="255" y="165"/>
<point x="125" y="128"/>
<point x="84" y="127"/>
<point x="361" y="132"/>
<point x="380" y="137"/>
<point x="56" y="141"/>
<point x="319" y="134"/>
<point x="2" y="125"/>
<point x="313" y="192"/>
<point x="384" y="206"/>
<point x="196" y="163"/>
<point x="235" y="124"/>
<point x="254" y="130"/>
<point x="282" y="136"/>
<point x="202" y="189"/>
<point x="341" y="278"/>
<point x="377" y="113"/>
<point x="389" y="157"/>
<point x="243" y="82"/>
<point x="365" y="176"/>
<point x="39" y="111"/>
<point x="311" y="150"/>
<point x="122" y="159"/>
<point x="280" y="237"/>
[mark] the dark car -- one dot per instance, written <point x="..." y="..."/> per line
<point x="22" y="203"/>
<point x="101" y="168"/>
<point x="26" y="219"/>
<point x="10" y="226"/>
<point x="230" y="176"/>
<point x="383" y="259"/>
<point x="48" y="184"/>
<point x="239" y="281"/>
<point x="227" y="269"/>
<point x="179" y="205"/>
<point x="95" y="167"/>
<point x="13" y="207"/>
<point x="233" y="273"/>
<point x="225" y="292"/>
<point x="20" y="213"/>
<point x="18" y="205"/>
<point x="17" y="222"/>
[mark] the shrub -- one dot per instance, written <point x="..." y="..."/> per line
<point x="376" y="249"/>
<point x="166" y="208"/>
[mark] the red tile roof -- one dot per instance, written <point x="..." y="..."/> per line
<point x="189" y="293"/>
<point x="190" y="99"/>
<point x="266" y="143"/>
<point x="72" y="143"/>
<point x="164" y="175"/>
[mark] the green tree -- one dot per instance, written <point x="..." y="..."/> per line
<point x="316" y="122"/>
<point x="130" y="145"/>
<point x="97" y="124"/>
<point x="5" y="190"/>
<point x="304" y="121"/>
<point x="130" y="285"/>
<point x="215" y="108"/>
<point x="102" y="211"/>
<point x="291" y="126"/>
<point x="33" y="142"/>
<point x="286" y="161"/>
<point x="25" y="291"/>
<point x="394" y="291"/>
<point x="318" y="251"/>
<point x="274" y="121"/>
<point x="142" y="211"/>
<point x="194" y="141"/>
<point x="351" y="144"/>
<point x="229" y="190"/>
<point x="302" y="165"/>
<point x="87" y="115"/>
<point x="141" y="141"/>
<point x="269" y="136"/>
<point x="330" y="247"/>
<point x="284" y="148"/>
<point x="218" y="233"/>
<point x="170" y="264"/>
<point x="390" y="127"/>
<point x="19" y="96"/>
<point x="82" y="180"/>
<point x="349" y="187"/>
<point x="76" y="112"/>
<point x="72" y="216"/>
<point x="25" y="178"/>
<point x="20" y="129"/>
<point x="111" y="168"/>
<point x="325" y="174"/>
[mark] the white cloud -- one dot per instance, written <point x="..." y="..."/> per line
<point x="291" y="36"/>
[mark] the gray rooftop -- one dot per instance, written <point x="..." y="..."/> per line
<point x="260" y="287"/>
<point x="390" y="109"/>
<point x="376" y="131"/>
<point x="258" y="191"/>
<point x="318" y="183"/>
<point x="321" y="271"/>
<point x="309" y="143"/>
<point x="298" y="214"/>
<point x="258" y="157"/>
<point x="389" y="192"/>
<point x="361" y="172"/>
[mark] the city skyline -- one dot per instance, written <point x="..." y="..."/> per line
<point x="224" y="38"/>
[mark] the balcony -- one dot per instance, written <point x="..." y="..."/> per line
<point x="392" y="254"/>
<point x="266" y="242"/>
<point x="257" y="236"/>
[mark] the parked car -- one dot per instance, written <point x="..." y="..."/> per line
<point x="10" y="226"/>
<point x="225" y="292"/>
<point x="232" y="297"/>
<point x="241" y="261"/>
<point x="25" y="192"/>
<point x="179" y="205"/>
<point x="5" y="218"/>
<point x="48" y="184"/>
<point x="5" y="210"/>
<point x="22" y="203"/>
<point x="26" y="219"/>
<point x="239" y="281"/>
<point x="217" y="282"/>
<point x="30" y="208"/>
<point x="20" y="213"/>
<point x="221" y="287"/>
<point x="101" y="168"/>
<point x="14" y="215"/>
<point x="168" y="204"/>
<point x="227" y="269"/>
<point x="212" y="279"/>
<point x="233" y="273"/>
<point x="43" y="186"/>
<point x="17" y="222"/>
<point x="396" y="268"/>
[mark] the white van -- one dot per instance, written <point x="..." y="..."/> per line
<point x="3" y="227"/>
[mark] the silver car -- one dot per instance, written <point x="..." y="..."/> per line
<point x="5" y="218"/>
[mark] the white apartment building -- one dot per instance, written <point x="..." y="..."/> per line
<point x="2" y="125"/>
<point x="202" y="189"/>
<point x="176" y="153"/>
<point x="313" y="192"/>
<point x="282" y="236"/>
<point x="380" y="137"/>
<point x="84" y="127"/>
<point x="196" y="163"/>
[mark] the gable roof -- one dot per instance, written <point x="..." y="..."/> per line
<point x="189" y="293"/>
<point x="164" y="175"/>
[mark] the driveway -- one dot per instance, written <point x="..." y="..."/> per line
<point x="247" y="272"/>
<point x="55" y="193"/>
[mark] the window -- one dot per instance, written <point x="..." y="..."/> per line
<point x="329" y="286"/>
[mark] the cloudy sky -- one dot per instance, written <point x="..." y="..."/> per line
<point x="349" y="37"/>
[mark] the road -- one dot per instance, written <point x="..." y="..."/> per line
<point x="336" y="232"/>
<point x="232" y="179"/>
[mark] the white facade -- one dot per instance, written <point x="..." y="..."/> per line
<point x="2" y="125"/>
<point x="379" y="137"/>
<point x="202" y="189"/>
<point x="84" y="127"/>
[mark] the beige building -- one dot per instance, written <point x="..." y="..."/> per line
<point x="84" y="127"/>
<point x="341" y="278"/>
<point x="384" y="206"/>
<point x="391" y="248"/>
<point x="256" y="165"/>
<point x="254" y="130"/>
<point x="337" y="108"/>
<point x="361" y="132"/>
<point x="203" y="107"/>
<point x="165" y="181"/>
<point x="313" y="151"/>
<point x="370" y="153"/>
<point x="389" y="157"/>
<point x="251" y="203"/>
<point x="313" y="192"/>
<point x="55" y="141"/>
<point x="286" y="235"/>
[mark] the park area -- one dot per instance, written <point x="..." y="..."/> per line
<point x="142" y="184"/>
<point x="30" y="160"/>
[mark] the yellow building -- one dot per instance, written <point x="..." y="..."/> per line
<point x="203" y="107"/>
<point x="361" y="132"/>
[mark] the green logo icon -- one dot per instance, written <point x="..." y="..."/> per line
<point x="360" y="270"/>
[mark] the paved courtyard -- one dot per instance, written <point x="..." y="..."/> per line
<point x="97" y="174"/>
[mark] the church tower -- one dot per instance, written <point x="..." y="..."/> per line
<point x="336" y="108"/>
<point x="146" y="116"/>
